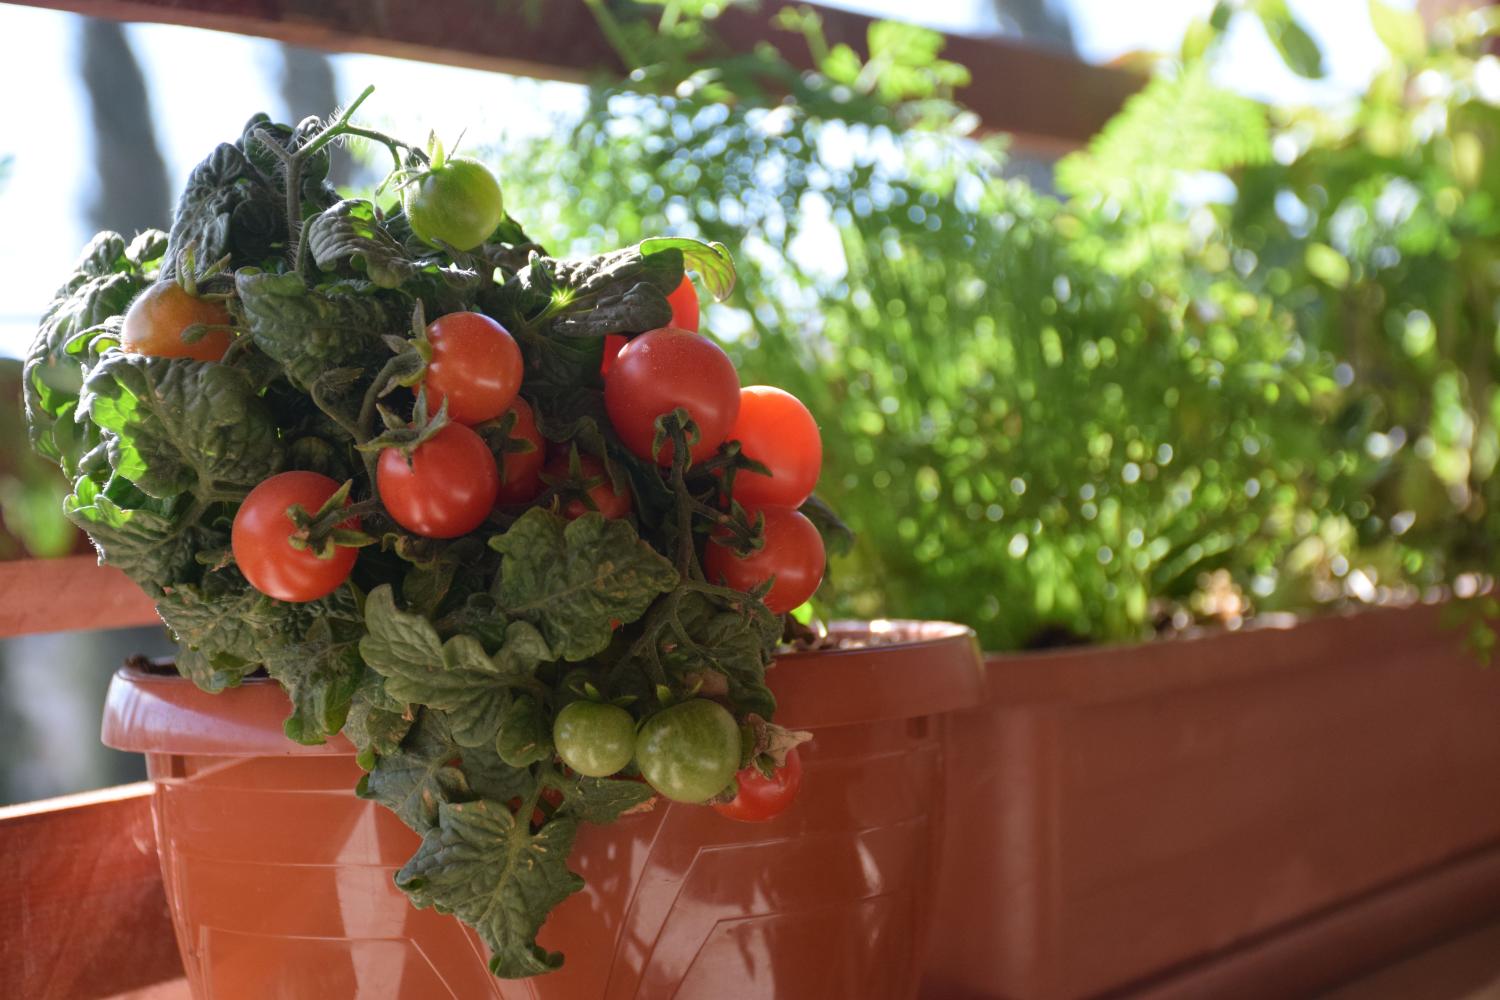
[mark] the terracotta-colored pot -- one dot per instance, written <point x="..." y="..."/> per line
<point x="1252" y="814"/>
<point x="280" y="879"/>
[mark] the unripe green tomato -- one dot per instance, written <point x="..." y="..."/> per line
<point x="689" y="752"/>
<point x="594" y="739"/>
<point x="457" y="203"/>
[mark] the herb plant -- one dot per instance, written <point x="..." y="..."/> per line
<point x="264" y="430"/>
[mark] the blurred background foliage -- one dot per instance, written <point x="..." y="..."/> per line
<point x="1243" y="360"/>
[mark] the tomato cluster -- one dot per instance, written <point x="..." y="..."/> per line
<point x="443" y="476"/>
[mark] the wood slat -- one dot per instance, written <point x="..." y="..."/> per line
<point x="82" y="912"/>
<point x="1049" y="101"/>
<point x="69" y="594"/>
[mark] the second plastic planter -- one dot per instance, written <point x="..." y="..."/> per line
<point x="280" y="879"/>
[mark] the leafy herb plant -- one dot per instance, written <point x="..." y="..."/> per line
<point x="431" y="534"/>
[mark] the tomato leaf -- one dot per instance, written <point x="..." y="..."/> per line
<point x="174" y="425"/>
<point x="348" y="231"/>
<point x="572" y="578"/>
<point x="601" y="800"/>
<point x="525" y="735"/>
<point x="736" y="643"/>
<point x="710" y="260"/>
<point x="308" y="331"/>
<point x="153" y="541"/>
<point x="456" y="676"/>
<point x="485" y="866"/>
<point x="419" y="774"/>
<point x="312" y="649"/>
<point x="377" y="723"/>
<point x="104" y="282"/>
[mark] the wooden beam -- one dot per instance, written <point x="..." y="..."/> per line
<point x="1050" y="102"/>
<point x="69" y="594"/>
<point x="83" y="914"/>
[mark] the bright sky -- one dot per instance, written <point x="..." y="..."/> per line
<point x="43" y="121"/>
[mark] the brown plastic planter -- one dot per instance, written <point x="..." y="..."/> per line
<point x="1253" y="814"/>
<point x="280" y="879"/>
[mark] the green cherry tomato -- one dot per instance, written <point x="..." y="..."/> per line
<point x="689" y="752"/>
<point x="594" y="739"/>
<point x="457" y="202"/>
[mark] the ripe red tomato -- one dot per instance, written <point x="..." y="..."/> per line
<point x="793" y="554"/>
<point x="775" y="429"/>
<point x="761" y="798"/>
<point x="684" y="301"/>
<point x="605" y="499"/>
<point x="659" y="371"/>
<point x="261" y="539"/>
<point x="614" y="343"/>
<point x="520" y="471"/>
<point x="475" y="366"/>
<point x="157" y="318"/>
<point x="446" y="489"/>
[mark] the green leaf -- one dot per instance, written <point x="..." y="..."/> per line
<point x="309" y="331"/>
<point x="572" y="578"/>
<point x="104" y="283"/>
<point x="525" y="735"/>
<point x="710" y="260"/>
<point x="175" y="425"/>
<point x="1296" y="47"/>
<point x="420" y="775"/>
<point x="735" y="643"/>
<point x="312" y="650"/>
<point x="485" y="866"/>
<point x="211" y="623"/>
<point x="349" y="231"/>
<point x="155" y="542"/>
<point x="570" y="289"/>
<point x="377" y="723"/>
<point x="601" y="800"/>
<point x="1402" y="31"/>
<point x="456" y="676"/>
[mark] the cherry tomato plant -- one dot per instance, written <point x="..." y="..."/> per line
<point x="368" y="446"/>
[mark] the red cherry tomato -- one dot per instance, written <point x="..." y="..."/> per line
<point x="792" y="553"/>
<point x="614" y="343"/>
<point x="261" y="539"/>
<point x="660" y="371"/>
<point x="603" y="495"/>
<point x="521" y="470"/>
<point x="476" y="367"/>
<point x="775" y="429"/>
<point x="684" y="302"/>
<point x="158" y="317"/>
<point x="446" y="489"/>
<point x="761" y="798"/>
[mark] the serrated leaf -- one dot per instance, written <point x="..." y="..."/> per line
<point x="525" y="735"/>
<point x="104" y="282"/>
<point x="601" y="800"/>
<point x="711" y="260"/>
<point x="312" y="650"/>
<point x="572" y="578"/>
<point x="377" y="723"/>
<point x="153" y="541"/>
<point x="486" y="867"/>
<point x="456" y="676"/>
<point x="349" y="232"/>
<point x="309" y="331"/>
<point x="175" y="425"/>
<point x="737" y="644"/>
<point x="419" y="775"/>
